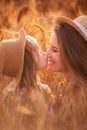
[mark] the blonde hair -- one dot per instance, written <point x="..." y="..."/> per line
<point x="28" y="79"/>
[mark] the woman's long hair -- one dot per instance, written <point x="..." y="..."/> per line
<point x="73" y="49"/>
<point x="71" y="105"/>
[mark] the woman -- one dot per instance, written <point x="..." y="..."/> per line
<point x="24" y="104"/>
<point x="68" y="54"/>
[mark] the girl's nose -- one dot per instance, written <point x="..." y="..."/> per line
<point x="44" y="52"/>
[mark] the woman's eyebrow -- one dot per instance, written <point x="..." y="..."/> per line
<point x="54" y="47"/>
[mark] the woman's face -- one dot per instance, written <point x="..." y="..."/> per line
<point x="40" y="56"/>
<point x="55" y="59"/>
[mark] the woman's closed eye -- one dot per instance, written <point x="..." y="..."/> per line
<point x="54" y="49"/>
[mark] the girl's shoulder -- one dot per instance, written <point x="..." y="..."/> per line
<point x="9" y="92"/>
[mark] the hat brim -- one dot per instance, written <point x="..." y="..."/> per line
<point x="72" y="23"/>
<point x="22" y="41"/>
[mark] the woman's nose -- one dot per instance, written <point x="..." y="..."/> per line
<point x="48" y="52"/>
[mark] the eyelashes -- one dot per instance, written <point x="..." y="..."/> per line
<point x="54" y="49"/>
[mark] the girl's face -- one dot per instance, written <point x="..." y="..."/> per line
<point x="55" y="59"/>
<point x="40" y="56"/>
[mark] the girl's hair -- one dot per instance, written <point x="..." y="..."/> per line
<point x="73" y="49"/>
<point x="28" y="79"/>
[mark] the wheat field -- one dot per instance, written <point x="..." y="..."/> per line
<point x="37" y="18"/>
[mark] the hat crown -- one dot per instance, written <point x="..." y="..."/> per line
<point x="80" y="24"/>
<point x="12" y="56"/>
<point x="82" y="20"/>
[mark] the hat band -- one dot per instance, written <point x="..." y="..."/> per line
<point x="82" y="28"/>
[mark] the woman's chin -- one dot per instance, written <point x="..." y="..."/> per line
<point x="49" y="69"/>
<point x="42" y="67"/>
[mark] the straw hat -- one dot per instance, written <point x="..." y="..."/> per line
<point x="80" y="24"/>
<point x="12" y="56"/>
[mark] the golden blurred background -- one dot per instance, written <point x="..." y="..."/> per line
<point x="37" y="17"/>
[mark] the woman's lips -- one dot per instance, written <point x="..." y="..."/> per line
<point x="50" y="62"/>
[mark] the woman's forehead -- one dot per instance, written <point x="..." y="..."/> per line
<point x="53" y="39"/>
